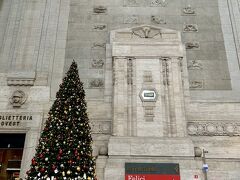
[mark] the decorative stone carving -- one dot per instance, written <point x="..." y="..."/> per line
<point x="18" y="98"/>
<point x="158" y="20"/>
<point x="97" y="63"/>
<point x="147" y="77"/>
<point x="188" y="10"/>
<point x="21" y="79"/>
<point x="197" y="152"/>
<point x="146" y="32"/>
<point x="99" y="45"/>
<point x="103" y="150"/>
<point x="130" y="3"/>
<point x="100" y="27"/>
<point x="131" y="19"/>
<point x="149" y="113"/>
<point x="100" y="10"/>
<point x="213" y="128"/>
<point x="101" y="127"/>
<point x="129" y="71"/>
<point x="165" y="70"/>
<point x="190" y="28"/>
<point x="196" y="84"/>
<point x="195" y="65"/>
<point x="192" y="45"/>
<point x="96" y="83"/>
<point x="162" y="3"/>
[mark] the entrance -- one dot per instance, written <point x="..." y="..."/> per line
<point x="11" y="150"/>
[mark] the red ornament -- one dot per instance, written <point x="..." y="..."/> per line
<point x="42" y="170"/>
<point x="41" y="155"/>
<point x="34" y="162"/>
<point x="58" y="157"/>
<point x="60" y="151"/>
<point x="76" y="152"/>
<point x="53" y="167"/>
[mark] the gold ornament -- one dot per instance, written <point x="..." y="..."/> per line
<point x="78" y="168"/>
<point x="68" y="172"/>
<point x="89" y="178"/>
<point x="63" y="173"/>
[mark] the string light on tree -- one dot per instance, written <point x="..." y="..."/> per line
<point x="65" y="145"/>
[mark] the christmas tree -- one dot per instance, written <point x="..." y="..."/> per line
<point x="65" y="146"/>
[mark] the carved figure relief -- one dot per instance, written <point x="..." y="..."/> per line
<point x="196" y="84"/>
<point x="192" y="45"/>
<point x="131" y="19"/>
<point x="100" y="27"/>
<point x="158" y="20"/>
<point x="96" y="83"/>
<point x="190" y="28"/>
<point x="18" y="98"/>
<point x="161" y="3"/>
<point x="97" y="63"/>
<point x="100" y="10"/>
<point x="146" y="32"/>
<point x="194" y="64"/>
<point x="188" y="10"/>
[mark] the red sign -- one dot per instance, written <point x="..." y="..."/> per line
<point x="152" y="171"/>
<point x="151" y="177"/>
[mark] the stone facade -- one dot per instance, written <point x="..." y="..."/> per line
<point x="161" y="77"/>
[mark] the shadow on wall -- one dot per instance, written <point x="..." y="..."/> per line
<point x="1" y="3"/>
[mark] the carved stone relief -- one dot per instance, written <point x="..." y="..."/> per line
<point x="195" y="65"/>
<point x="213" y="128"/>
<point x="149" y="113"/>
<point x="192" y="45"/>
<point x="99" y="27"/>
<point x="97" y="63"/>
<point x="98" y="45"/>
<point x="100" y="10"/>
<point x="21" y="79"/>
<point x="165" y="70"/>
<point x="190" y="28"/>
<point x="146" y="32"/>
<point x="162" y="3"/>
<point x="196" y="84"/>
<point x="18" y="98"/>
<point x="188" y="10"/>
<point x="147" y="77"/>
<point x="129" y="71"/>
<point x="96" y="83"/>
<point x="101" y="127"/>
<point x="130" y="3"/>
<point x="131" y="19"/>
<point x="158" y="20"/>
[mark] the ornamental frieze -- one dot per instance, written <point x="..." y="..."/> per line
<point x="213" y="128"/>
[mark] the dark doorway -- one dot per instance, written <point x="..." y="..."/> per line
<point x="11" y="150"/>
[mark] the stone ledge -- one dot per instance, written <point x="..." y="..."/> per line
<point x="21" y="78"/>
<point x="150" y="146"/>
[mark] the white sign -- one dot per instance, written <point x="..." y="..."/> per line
<point x="148" y="95"/>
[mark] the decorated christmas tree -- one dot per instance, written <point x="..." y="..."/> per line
<point x="65" y="146"/>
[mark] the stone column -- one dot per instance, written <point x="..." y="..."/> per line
<point x="175" y="96"/>
<point x="120" y="93"/>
